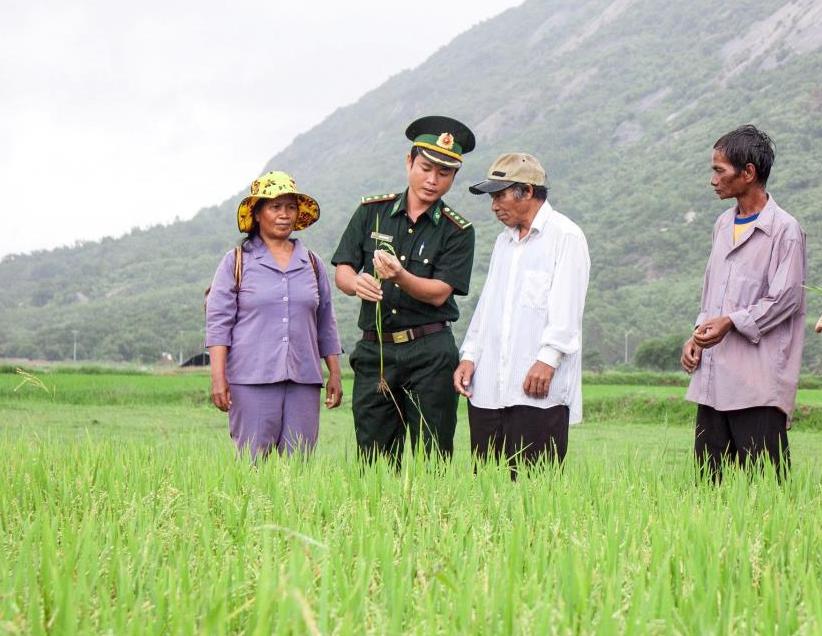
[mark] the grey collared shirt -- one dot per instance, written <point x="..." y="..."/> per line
<point x="758" y="283"/>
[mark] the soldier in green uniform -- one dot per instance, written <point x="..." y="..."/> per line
<point x="422" y="251"/>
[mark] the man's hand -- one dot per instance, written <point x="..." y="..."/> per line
<point x="220" y="394"/>
<point x="386" y="265"/>
<point x="691" y="355"/>
<point x="538" y="380"/>
<point x="366" y="287"/>
<point x="712" y="331"/>
<point x="333" y="391"/>
<point x="462" y="377"/>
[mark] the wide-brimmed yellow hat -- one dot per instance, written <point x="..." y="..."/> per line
<point x="270" y="186"/>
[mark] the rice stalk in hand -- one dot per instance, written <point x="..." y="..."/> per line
<point x="382" y="385"/>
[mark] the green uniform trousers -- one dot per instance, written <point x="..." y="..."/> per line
<point x="420" y="375"/>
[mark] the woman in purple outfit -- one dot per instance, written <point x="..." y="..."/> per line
<point x="269" y="320"/>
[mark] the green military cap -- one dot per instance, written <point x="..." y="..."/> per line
<point x="442" y="140"/>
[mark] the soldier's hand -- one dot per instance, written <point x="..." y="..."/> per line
<point x="463" y="375"/>
<point x="220" y="394"/>
<point x="367" y="288"/>
<point x="386" y="265"/>
<point x="691" y="355"/>
<point x="538" y="380"/>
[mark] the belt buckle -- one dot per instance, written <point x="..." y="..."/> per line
<point x="400" y="337"/>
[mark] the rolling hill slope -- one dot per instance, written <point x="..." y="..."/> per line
<point x="621" y="100"/>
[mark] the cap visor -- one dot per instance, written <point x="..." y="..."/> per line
<point x="442" y="160"/>
<point x="489" y="185"/>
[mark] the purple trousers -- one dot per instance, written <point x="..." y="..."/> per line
<point x="284" y="416"/>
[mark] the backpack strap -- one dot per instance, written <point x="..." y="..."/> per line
<point x="238" y="267"/>
<point x="313" y="258"/>
<point x="238" y="274"/>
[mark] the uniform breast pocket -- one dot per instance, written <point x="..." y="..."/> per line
<point x="420" y="265"/>
<point x="535" y="288"/>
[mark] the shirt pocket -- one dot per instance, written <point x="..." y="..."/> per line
<point x="420" y="265"/>
<point x="535" y="288"/>
<point x="743" y="290"/>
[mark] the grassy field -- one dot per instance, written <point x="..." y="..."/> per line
<point x="124" y="510"/>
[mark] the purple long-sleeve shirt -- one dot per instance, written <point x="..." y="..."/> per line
<point x="279" y="325"/>
<point x="758" y="283"/>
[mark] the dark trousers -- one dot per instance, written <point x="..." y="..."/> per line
<point x="742" y="437"/>
<point x="522" y="434"/>
<point x="424" y="404"/>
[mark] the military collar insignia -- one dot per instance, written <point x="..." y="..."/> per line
<point x="397" y="205"/>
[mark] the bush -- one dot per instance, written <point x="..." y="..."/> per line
<point x="660" y="354"/>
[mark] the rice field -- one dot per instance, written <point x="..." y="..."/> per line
<point x="123" y="509"/>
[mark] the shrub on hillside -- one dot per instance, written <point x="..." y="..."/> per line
<point x="660" y="354"/>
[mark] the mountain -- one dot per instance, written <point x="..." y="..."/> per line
<point x="621" y="100"/>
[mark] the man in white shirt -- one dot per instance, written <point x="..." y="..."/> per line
<point x="521" y="361"/>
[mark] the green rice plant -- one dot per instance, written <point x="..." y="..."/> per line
<point x="146" y="522"/>
<point x="141" y="536"/>
<point x="29" y="379"/>
<point x="422" y="423"/>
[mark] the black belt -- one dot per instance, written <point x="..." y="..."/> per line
<point x="407" y="335"/>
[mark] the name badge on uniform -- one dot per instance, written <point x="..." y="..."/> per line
<point x="385" y="238"/>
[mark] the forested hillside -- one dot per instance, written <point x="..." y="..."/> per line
<point x="621" y="100"/>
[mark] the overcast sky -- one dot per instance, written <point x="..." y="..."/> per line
<point x="115" y="115"/>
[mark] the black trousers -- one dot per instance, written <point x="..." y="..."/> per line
<point x="743" y="437"/>
<point x="424" y="404"/>
<point x="522" y="434"/>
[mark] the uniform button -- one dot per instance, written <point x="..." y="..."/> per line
<point x="410" y="230"/>
<point x="285" y="338"/>
<point x="285" y="280"/>
<point x="402" y="258"/>
<point x="285" y="319"/>
<point x="394" y="311"/>
<point x="285" y="299"/>
<point x="397" y="285"/>
<point x="425" y="261"/>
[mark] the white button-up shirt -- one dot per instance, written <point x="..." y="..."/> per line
<point x="531" y="309"/>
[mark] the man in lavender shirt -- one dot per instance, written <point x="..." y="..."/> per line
<point x="746" y="350"/>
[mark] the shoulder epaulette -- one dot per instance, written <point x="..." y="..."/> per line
<point x="378" y="198"/>
<point x="456" y="219"/>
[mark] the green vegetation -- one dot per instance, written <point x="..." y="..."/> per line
<point x="622" y="103"/>
<point x="660" y="354"/>
<point x="124" y="510"/>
